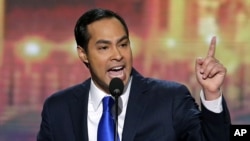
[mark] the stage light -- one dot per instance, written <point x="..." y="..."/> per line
<point x="32" y="49"/>
<point x="171" y="43"/>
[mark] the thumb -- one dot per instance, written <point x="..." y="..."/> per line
<point x="198" y="63"/>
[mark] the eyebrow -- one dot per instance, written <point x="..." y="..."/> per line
<point x="102" y="41"/>
<point x="125" y="37"/>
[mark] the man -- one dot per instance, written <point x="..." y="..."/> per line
<point x="151" y="109"/>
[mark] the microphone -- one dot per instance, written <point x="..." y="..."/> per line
<point x="116" y="87"/>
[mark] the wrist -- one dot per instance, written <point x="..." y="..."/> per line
<point x="212" y="95"/>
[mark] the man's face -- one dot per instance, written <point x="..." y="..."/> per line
<point x="109" y="54"/>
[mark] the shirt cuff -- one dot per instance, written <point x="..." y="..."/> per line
<point x="212" y="105"/>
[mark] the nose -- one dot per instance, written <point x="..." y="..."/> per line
<point x="116" y="54"/>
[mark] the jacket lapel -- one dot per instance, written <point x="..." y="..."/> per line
<point x="78" y="110"/>
<point x="136" y="106"/>
<point x="135" y="110"/>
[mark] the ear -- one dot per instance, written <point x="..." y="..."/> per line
<point x="82" y="54"/>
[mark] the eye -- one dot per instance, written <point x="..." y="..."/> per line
<point x="124" y="45"/>
<point x="103" y="48"/>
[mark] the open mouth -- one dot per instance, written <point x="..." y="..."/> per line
<point x="116" y="72"/>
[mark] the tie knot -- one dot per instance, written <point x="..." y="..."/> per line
<point x="108" y="103"/>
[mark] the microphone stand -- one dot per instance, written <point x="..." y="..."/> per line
<point x="116" y="87"/>
<point x="116" y="118"/>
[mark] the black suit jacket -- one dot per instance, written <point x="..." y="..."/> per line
<point x="157" y="111"/>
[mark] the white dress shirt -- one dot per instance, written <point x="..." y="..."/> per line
<point x="95" y="108"/>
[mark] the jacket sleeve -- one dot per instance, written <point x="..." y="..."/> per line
<point x="216" y="126"/>
<point x="193" y="124"/>
<point x="44" y="133"/>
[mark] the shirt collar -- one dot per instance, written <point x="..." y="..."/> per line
<point x="96" y="95"/>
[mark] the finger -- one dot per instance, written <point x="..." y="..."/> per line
<point x="215" y="71"/>
<point x="199" y="60"/>
<point x="211" y="50"/>
<point x="212" y="69"/>
<point x="206" y="71"/>
<point x="207" y="66"/>
<point x="207" y="63"/>
<point x="209" y="60"/>
<point x="198" y="63"/>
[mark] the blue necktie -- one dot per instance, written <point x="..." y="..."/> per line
<point x="106" y="127"/>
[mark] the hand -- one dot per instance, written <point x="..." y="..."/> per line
<point x="210" y="73"/>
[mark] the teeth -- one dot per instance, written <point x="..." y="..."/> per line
<point x="116" y="72"/>
<point x="116" y="68"/>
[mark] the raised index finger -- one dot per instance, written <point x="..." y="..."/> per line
<point x="211" y="50"/>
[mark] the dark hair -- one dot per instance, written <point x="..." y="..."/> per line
<point x="82" y="35"/>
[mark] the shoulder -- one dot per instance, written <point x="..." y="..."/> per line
<point x="157" y="85"/>
<point x="150" y="82"/>
<point x="73" y="92"/>
<point x="165" y="85"/>
<point x="65" y="92"/>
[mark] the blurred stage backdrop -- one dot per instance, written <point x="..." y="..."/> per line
<point x="38" y="51"/>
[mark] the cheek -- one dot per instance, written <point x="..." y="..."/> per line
<point x="129" y="56"/>
<point x="98" y="62"/>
